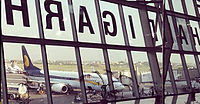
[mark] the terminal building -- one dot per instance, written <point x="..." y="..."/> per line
<point x="100" y="51"/>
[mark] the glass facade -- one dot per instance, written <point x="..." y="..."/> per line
<point x="75" y="51"/>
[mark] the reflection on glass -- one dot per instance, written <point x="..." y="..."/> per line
<point x="178" y="72"/>
<point x="63" y="72"/>
<point x="120" y="70"/>
<point x="184" y="33"/>
<point x="149" y="101"/>
<point x="126" y="102"/>
<point x="195" y="33"/>
<point x="133" y="26"/>
<point x="86" y="21"/>
<point x="168" y="84"/>
<point x="177" y="5"/>
<point x="175" y="44"/>
<point x="20" y="26"/>
<point x="111" y="23"/>
<point x="182" y="99"/>
<point x="21" y="83"/>
<point x="168" y="99"/>
<point x="56" y="19"/>
<point x="155" y="31"/>
<point x="143" y="72"/>
<point x="193" y="72"/>
<point x="94" y="73"/>
<point x="190" y="7"/>
<point x="160" y="59"/>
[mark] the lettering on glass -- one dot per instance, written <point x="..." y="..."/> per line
<point x="182" y="35"/>
<point x="107" y="24"/>
<point x="131" y="26"/>
<point x="23" y="8"/>
<point x="195" y="35"/>
<point x="152" y="25"/>
<point x="51" y="14"/>
<point x="83" y="12"/>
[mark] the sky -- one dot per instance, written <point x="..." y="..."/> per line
<point x="13" y="51"/>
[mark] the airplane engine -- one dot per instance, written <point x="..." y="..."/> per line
<point x="60" y="88"/>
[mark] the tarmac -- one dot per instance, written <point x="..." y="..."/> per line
<point x="73" y="96"/>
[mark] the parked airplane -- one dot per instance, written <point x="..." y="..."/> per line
<point x="13" y="68"/>
<point x="62" y="81"/>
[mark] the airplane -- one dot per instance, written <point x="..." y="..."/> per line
<point x="13" y="68"/>
<point x="63" y="81"/>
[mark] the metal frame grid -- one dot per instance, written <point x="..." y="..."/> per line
<point x="149" y="48"/>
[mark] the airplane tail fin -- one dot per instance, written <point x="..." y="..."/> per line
<point x="28" y="65"/>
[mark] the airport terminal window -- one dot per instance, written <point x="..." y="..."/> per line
<point x="18" y="85"/>
<point x="169" y="99"/>
<point x="143" y="73"/>
<point x="131" y="102"/>
<point x="62" y="70"/>
<point x="184" y="32"/>
<point x="155" y="28"/>
<point x="86" y="21"/>
<point x="94" y="72"/>
<point x="195" y="32"/>
<point x="177" y="5"/>
<point x="59" y="28"/>
<point x="133" y="26"/>
<point x="192" y="68"/>
<point x="144" y="101"/>
<point x="15" y="25"/>
<point x="112" y="23"/>
<point x="175" y="44"/>
<point x="190" y="7"/>
<point x="160" y="61"/>
<point x="120" y="69"/>
<point x="178" y="72"/>
<point x="182" y="99"/>
<point x="40" y="26"/>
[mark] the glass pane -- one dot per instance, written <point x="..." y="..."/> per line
<point x="120" y="70"/>
<point x="155" y="31"/>
<point x="56" y="19"/>
<point x="126" y="102"/>
<point x="195" y="33"/>
<point x="86" y="21"/>
<point x="197" y="97"/>
<point x="144" y="76"/>
<point x="193" y="72"/>
<point x="190" y="7"/>
<point x="94" y="72"/>
<point x="168" y="84"/>
<point x="133" y="26"/>
<point x="177" y="5"/>
<point x="14" y="24"/>
<point x="175" y="44"/>
<point x="167" y="5"/>
<point x="111" y="23"/>
<point x="149" y="101"/>
<point x="178" y="72"/>
<point x="168" y="100"/>
<point x="183" y="31"/>
<point x="182" y="99"/>
<point x="63" y="72"/>
<point x="22" y="82"/>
